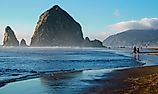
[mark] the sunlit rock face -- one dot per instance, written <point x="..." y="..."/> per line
<point x="23" y="43"/>
<point x="57" y="28"/>
<point x="10" y="38"/>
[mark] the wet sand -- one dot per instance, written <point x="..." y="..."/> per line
<point x="150" y="53"/>
<point x="63" y="82"/>
<point x="48" y="83"/>
<point x="153" y="50"/>
<point x="140" y="80"/>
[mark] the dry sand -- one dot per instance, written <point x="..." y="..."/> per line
<point x="142" y="80"/>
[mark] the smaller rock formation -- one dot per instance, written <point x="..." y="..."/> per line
<point x="23" y="43"/>
<point x="10" y="38"/>
<point x="94" y="43"/>
<point x="87" y="39"/>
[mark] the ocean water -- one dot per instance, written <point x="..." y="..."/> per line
<point x="22" y="63"/>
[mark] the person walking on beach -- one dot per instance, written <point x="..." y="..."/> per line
<point x="136" y="52"/>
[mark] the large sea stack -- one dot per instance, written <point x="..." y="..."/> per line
<point x="57" y="28"/>
<point x="10" y="38"/>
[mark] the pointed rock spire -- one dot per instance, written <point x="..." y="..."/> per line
<point x="10" y="38"/>
<point x="23" y="43"/>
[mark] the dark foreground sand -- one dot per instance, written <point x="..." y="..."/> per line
<point x="142" y="80"/>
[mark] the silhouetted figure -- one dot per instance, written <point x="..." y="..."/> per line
<point x="138" y="50"/>
<point x="137" y="54"/>
<point x="134" y="50"/>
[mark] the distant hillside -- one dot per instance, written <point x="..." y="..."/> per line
<point x="133" y="37"/>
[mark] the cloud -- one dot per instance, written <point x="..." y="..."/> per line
<point x="117" y="13"/>
<point x="145" y="23"/>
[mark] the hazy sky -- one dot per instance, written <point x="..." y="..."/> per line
<point x="98" y="18"/>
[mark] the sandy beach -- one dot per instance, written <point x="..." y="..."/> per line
<point x="140" y="80"/>
<point x="118" y="80"/>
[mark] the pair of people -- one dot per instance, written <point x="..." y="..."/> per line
<point x="136" y="52"/>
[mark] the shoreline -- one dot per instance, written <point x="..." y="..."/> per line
<point x="109" y="76"/>
<point x="54" y="74"/>
<point x="61" y="82"/>
<point x="137" y="80"/>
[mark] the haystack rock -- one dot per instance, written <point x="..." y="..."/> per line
<point x="23" y="43"/>
<point x="57" y="28"/>
<point x="10" y="38"/>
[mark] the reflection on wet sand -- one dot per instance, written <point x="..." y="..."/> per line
<point x="67" y="82"/>
<point x="70" y="82"/>
<point x="60" y="75"/>
<point x="61" y="82"/>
